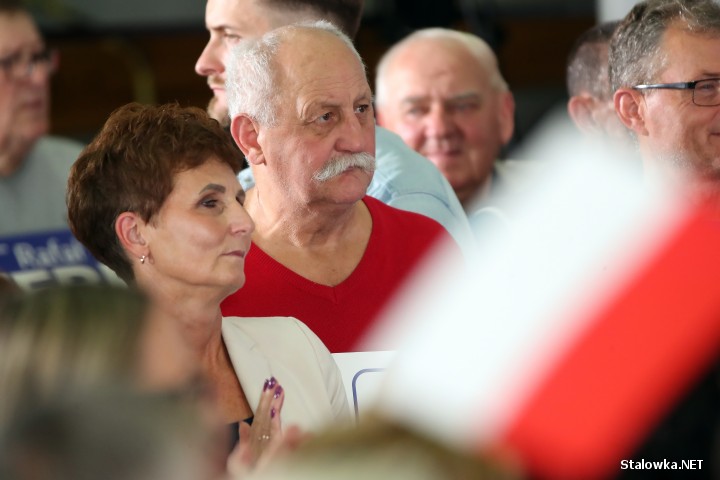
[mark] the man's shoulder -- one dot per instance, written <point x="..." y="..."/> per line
<point x="59" y="147"/>
<point x="404" y="167"/>
<point x="398" y="219"/>
<point x="516" y="175"/>
<point x="506" y="167"/>
<point x="58" y="153"/>
<point x="405" y="237"/>
<point x="406" y="180"/>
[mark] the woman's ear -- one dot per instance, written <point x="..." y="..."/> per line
<point x="129" y="229"/>
<point x="245" y="132"/>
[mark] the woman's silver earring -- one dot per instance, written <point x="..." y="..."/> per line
<point x="142" y="259"/>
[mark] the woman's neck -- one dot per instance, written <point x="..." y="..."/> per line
<point x="196" y="314"/>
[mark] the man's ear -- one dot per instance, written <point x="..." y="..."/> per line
<point x="245" y="132"/>
<point x="507" y="116"/>
<point x="379" y="118"/>
<point x="129" y="228"/>
<point x="630" y="107"/>
<point x="580" y="110"/>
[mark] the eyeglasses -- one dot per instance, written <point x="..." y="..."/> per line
<point x="22" y="64"/>
<point x="706" y="92"/>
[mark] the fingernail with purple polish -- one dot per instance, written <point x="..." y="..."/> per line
<point x="266" y="385"/>
<point x="272" y="412"/>
<point x="272" y="382"/>
<point x="278" y="391"/>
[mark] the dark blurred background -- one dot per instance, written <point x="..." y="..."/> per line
<point x="116" y="51"/>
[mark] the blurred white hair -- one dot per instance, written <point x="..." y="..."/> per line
<point x="475" y="45"/>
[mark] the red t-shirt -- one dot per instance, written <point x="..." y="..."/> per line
<point x="340" y="315"/>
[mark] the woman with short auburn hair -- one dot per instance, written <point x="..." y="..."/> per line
<point x="156" y="198"/>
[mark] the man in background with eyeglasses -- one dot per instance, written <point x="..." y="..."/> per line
<point x="33" y="166"/>
<point x="665" y="72"/>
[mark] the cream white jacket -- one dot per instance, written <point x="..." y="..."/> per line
<point x="285" y="348"/>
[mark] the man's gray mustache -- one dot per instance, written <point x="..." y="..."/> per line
<point x="339" y="164"/>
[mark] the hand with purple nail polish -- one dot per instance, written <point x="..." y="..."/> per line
<point x="260" y="442"/>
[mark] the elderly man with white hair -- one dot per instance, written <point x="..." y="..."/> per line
<point x="323" y="251"/>
<point x="442" y="92"/>
<point x="403" y="178"/>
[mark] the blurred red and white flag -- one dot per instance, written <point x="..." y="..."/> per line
<point x="570" y="335"/>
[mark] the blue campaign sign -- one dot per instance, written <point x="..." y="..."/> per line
<point x="42" y="259"/>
